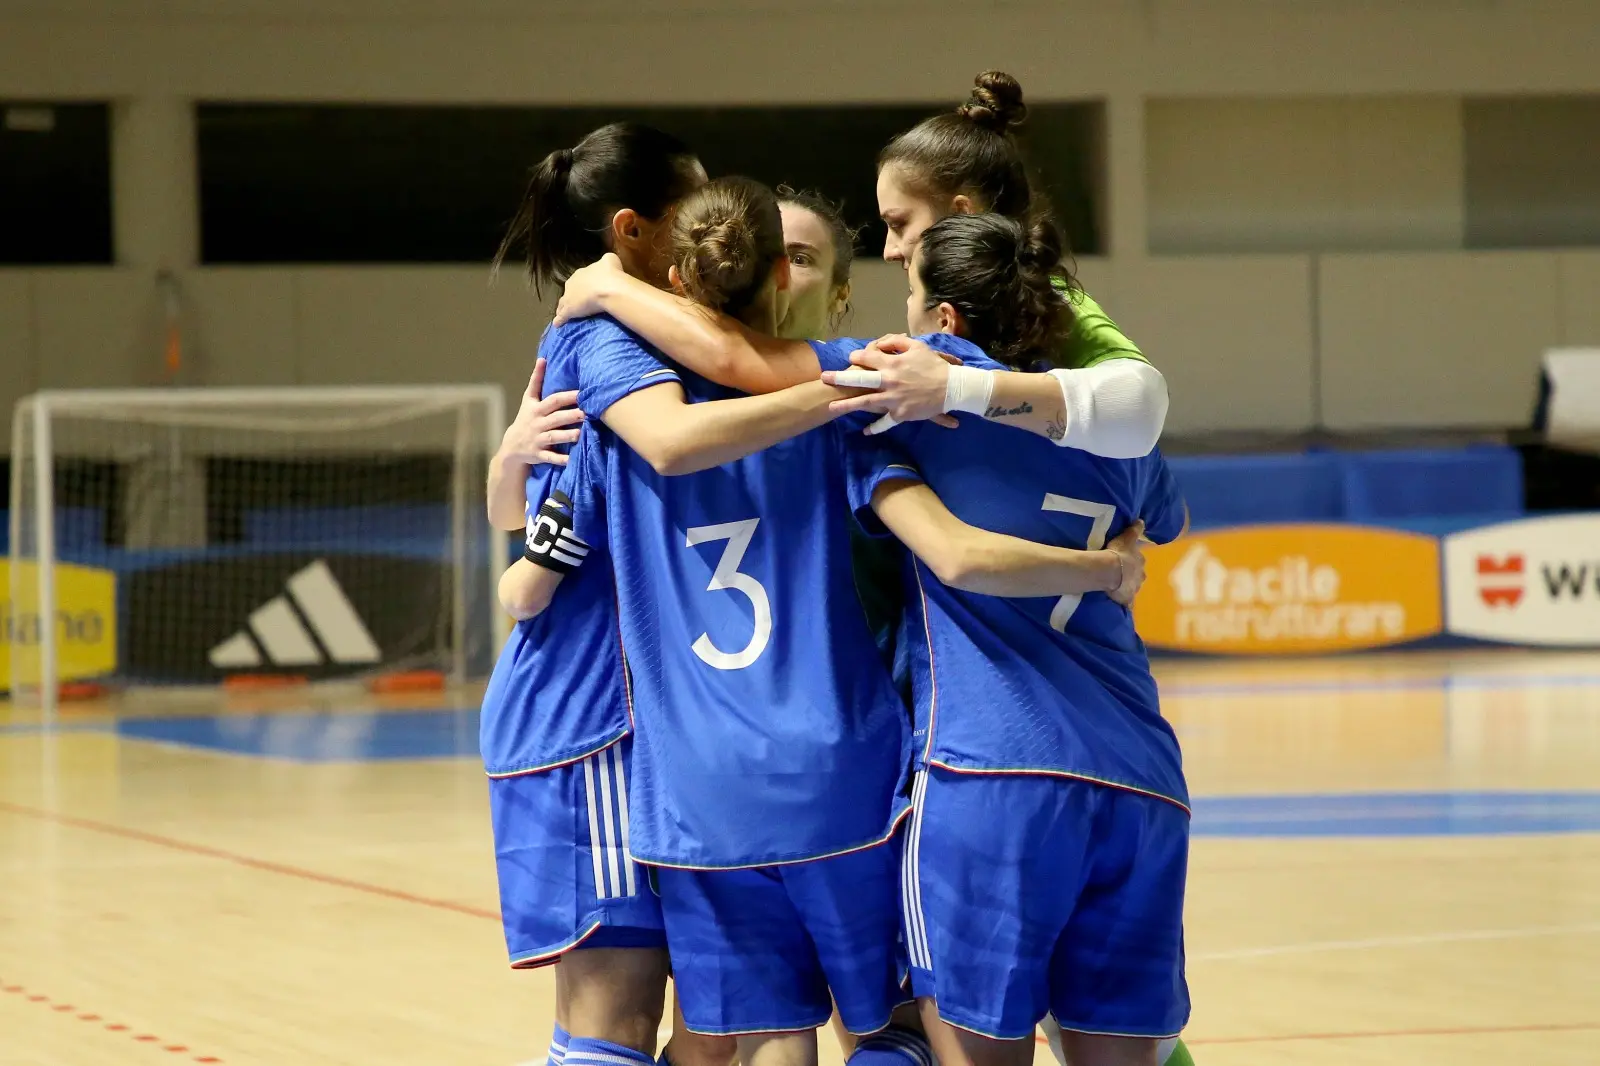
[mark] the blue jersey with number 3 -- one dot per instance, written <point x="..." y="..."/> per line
<point x="766" y="726"/>
<point x="559" y="689"/>
<point x="1049" y="684"/>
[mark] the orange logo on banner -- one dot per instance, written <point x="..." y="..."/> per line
<point x="1500" y="581"/>
<point x="1283" y="590"/>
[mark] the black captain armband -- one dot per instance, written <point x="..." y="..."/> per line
<point x="551" y="542"/>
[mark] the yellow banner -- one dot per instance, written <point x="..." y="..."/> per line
<point x="85" y="622"/>
<point x="1290" y="589"/>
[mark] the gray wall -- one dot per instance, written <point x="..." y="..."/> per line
<point x="1296" y="194"/>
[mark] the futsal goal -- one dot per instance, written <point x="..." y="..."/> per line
<point x="197" y="536"/>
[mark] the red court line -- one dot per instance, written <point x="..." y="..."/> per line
<point x="12" y="988"/>
<point x="246" y="860"/>
<point x="461" y="908"/>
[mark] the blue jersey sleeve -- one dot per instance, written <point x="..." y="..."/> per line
<point x="581" y="486"/>
<point x="868" y="463"/>
<point x="1163" y="508"/>
<point x="613" y="362"/>
<point x="542" y="477"/>
<point x="835" y="354"/>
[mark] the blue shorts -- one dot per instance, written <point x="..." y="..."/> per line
<point x="759" y="950"/>
<point x="1028" y="894"/>
<point x="566" y="877"/>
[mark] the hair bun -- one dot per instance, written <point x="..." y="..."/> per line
<point x="725" y="259"/>
<point x="725" y="238"/>
<point x="996" y="102"/>
<point x="1042" y="245"/>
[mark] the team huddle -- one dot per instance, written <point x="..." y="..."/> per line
<point x="824" y="698"/>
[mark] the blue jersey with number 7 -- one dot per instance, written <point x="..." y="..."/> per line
<point x="1049" y="684"/>
<point x="766" y="728"/>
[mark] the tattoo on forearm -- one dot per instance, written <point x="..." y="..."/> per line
<point x="1056" y="428"/>
<point x="1002" y="412"/>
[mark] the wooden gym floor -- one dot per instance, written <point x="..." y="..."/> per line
<point x="1396" y="861"/>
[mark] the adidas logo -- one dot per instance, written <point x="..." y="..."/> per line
<point x="278" y="633"/>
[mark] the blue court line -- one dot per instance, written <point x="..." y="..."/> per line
<point x="1389" y="814"/>
<point x="1484" y="682"/>
<point x="1193" y="689"/>
<point x="320" y="737"/>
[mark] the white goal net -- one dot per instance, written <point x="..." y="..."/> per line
<point x="189" y="536"/>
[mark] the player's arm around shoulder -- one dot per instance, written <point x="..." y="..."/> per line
<point x="965" y="557"/>
<point x="1116" y="408"/>
<point x="715" y="346"/>
<point x="678" y="437"/>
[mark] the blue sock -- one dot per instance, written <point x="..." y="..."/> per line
<point x="892" y="1047"/>
<point x="581" y="1051"/>
<point x="558" y="1047"/>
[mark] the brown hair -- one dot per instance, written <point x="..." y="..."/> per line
<point x="725" y="238"/>
<point x="1003" y="277"/>
<point x="971" y="151"/>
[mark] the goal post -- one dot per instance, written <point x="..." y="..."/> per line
<point x="188" y="536"/>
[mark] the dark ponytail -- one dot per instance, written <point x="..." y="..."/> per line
<point x="971" y="151"/>
<point x="564" y="219"/>
<point x="725" y="238"/>
<point x="1006" y="280"/>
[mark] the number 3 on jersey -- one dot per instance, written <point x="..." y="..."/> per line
<point x="727" y="576"/>
<point x="1101" y="515"/>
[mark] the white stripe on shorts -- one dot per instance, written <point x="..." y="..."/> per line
<point x="622" y="819"/>
<point x="589" y="767"/>
<point x="911" y="880"/>
<point x="609" y="824"/>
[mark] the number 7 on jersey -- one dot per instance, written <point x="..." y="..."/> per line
<point x="1101" y="514"/>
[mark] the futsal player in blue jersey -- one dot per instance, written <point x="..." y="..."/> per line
<point x="1103" y="398"/>
<point x="1046" y="859"/>
<point x="555" y="720"/>
<point x="768" y="759"/>
<point x="556" y="724"/>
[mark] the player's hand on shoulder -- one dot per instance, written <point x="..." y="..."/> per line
<point x="584" y="293"/>
<point x="910" y="384"/>
<point x="543" y="424"/>
<point x="1129" y="548"/>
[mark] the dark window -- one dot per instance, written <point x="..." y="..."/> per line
<point x="1067" y="147"/>
<point x="1532" y="172"/>
<point x="284" y="184"/>
<point x="55" y="184"/>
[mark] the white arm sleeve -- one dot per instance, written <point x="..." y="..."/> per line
<point x="1115" y="409"/>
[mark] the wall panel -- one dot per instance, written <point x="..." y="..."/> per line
<point x="1231" y="334"/>
<point x="1579" y="297"/>
<point x="1248" y="175"/>
<point x="1435" y="340"/>
<point x="97" y="328"/>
